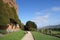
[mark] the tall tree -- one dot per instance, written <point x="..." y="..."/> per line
<point x="31" y="25"/>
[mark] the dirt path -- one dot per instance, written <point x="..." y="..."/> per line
<point x="28" y="36"/>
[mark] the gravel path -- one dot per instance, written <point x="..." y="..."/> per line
<point x="28" y="36"/>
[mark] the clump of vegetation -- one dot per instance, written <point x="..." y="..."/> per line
<point x="3" y="31"/>
<point x="4" y="19"/>
<point x="30" y="26"/>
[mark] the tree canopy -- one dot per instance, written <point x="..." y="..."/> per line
<point x="31" y="25"/>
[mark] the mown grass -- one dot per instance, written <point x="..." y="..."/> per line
<point x="56" y="32"/>
<point x="13" y="36"/>
<point x="40" y="36"/>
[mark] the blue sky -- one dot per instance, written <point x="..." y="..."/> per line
<point x="42" y="12"/>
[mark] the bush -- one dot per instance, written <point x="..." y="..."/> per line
<point x="3" y="31"/>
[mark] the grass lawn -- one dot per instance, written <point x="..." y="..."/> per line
<point x="40" y="36"/>
<point x="56" y="32"/>
<point x="13" y="36"/>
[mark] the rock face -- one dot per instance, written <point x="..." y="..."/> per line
<point x="8" y="16"/>
<point x="11" y="3"/>
<point x="8" y="11"/>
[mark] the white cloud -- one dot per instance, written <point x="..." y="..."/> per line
<point x="42" y="17"/>
<point x="41" y="20"/>
<point x="37" y="13"/>
<point x="55" y="8"/>
<point x="48" y="11"/>
<point x="52" y="9"/>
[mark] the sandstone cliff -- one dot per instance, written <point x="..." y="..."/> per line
<point x="11" y="3"/>
<point x="8" y="12"/>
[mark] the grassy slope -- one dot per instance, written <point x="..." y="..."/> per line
<point x="13" y="36"/>
<point x="39" y="36"/>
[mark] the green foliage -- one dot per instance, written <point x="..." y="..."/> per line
<point x="14" y="36"/>
<point x="22" y="26"/>
<point x="4" y="18"/>
<point x="7" y="12"/>
<point x="15" y="16"/>
<point x="39" y="36"/>
<point x="3" y="31"/>
<point x="31" y="25"/>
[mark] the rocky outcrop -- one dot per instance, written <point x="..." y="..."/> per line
<point x="8" y="16"/>
<point x="11" y="3"/>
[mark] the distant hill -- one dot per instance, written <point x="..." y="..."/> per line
<point x="53" y="26"/>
